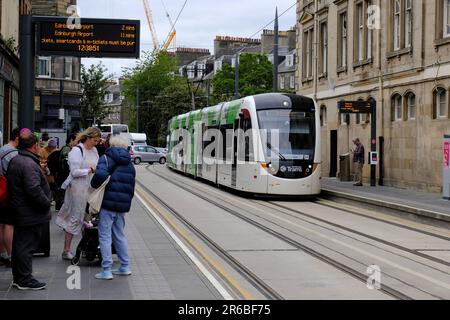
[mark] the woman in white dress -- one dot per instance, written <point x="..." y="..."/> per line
<point x="83" y="160"/>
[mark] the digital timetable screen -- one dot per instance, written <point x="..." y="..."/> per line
<point x="94" y="38"/>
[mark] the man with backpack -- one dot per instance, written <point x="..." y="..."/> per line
<point x="7" y="153"/>
<point x="58" y="164"/>
<point x="30" y="198"/>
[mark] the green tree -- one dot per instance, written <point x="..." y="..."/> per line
<point x="255" y="76"/>
<point x="94" y="82"/>
<point x="160" y="92"/>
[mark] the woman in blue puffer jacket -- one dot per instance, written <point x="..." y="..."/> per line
<point x="116" y="202"/>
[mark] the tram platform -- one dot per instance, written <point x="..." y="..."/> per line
<point x="420" y="204"/>
<point x="161" y="270"/>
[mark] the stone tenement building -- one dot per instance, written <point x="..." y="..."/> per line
<point x="404" y="66"/>
<point x="9" y="64"/>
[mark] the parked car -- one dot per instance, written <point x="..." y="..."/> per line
<point x="146" y="154"/>
<point x="162" y="150"/>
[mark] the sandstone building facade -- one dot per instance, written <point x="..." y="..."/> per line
<point x="402" y="62"/>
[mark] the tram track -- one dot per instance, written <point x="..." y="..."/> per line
<point x="362" y="234"/>
<point x="388" y="243"/>
<point x="254" y="280"/>
<point x="296" y="244"/>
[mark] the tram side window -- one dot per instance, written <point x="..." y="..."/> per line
<point x="247" y="127"/>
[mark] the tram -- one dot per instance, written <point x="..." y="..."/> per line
<point x="263" y="144"/>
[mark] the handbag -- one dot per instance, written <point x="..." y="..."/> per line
<point x="95" y="198"/>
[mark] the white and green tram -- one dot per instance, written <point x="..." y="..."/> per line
<point x="262" y="144"/>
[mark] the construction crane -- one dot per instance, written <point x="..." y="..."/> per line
<point x="148" y="13"/>
<point x="173" y="33"/>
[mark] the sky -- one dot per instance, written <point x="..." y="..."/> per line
<point x="198" y="24"/>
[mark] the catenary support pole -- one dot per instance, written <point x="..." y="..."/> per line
<point x="26" y="71"/>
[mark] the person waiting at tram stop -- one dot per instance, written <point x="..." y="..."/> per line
<point x="30" y="197"/>
<point x="358" y="159"/>
<point x="7" y="153"/>
<point x="83" y="161"/>
<point x="119" y="192"/>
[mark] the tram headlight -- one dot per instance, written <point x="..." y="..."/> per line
<point x="271" y="168"/>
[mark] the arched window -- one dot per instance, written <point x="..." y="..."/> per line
<point x="358" y="115"/>
<point x="323" y="116"/>
<point x="396" y="108"/>
<point x="344" y="118"/>
<point x="366" y="117"/>
<point x="440" y="108"/>
<point x="410" y="105"/>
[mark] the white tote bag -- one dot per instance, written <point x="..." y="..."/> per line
<point x="95" y="198"/>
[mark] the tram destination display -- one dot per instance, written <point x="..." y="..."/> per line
<point x="92" y="38"/>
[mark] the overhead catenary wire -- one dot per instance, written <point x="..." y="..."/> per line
<point x="272" y="21"/>
<point x="176" y="20"/>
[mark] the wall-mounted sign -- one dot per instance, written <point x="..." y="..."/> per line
<point x="95" y="38"/>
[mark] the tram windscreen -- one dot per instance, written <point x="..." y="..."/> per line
<point x="290" y="134"/>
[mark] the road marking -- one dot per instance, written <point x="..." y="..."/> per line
<point x="225" y="294"/>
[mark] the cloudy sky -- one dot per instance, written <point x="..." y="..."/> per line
<point x="199" y="22"/>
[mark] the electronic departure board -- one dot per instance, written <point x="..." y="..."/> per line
<point x="355" y="106"/>
<point x="93" y="38"/>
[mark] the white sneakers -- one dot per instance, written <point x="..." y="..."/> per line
<point x="67" y="255"/>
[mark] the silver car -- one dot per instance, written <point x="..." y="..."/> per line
<point x="146" y="154"/>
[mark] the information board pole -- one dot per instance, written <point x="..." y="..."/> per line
<point x="26" y="69"/>
<point x="373" y="143"/>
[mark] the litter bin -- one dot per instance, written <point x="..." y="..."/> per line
<point x="344" y="167"/>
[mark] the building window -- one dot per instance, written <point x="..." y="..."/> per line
<point x="363" y="37"/>
<point x="292" y="82"/>
<point x="281" y="82"/>
<point x="397" y="108"/>
<point x="345" y="119"/>
<point x="446" y="18"/>
<point x="369" y="33"/>
<point x="15" y="109"/>
<point x="440" y="104"/>
<point x="402" y="17"/>
<point x="408" y="23"/>
<point x="342" y="36"/>
<point x="397" y="16"/>
<point x="323" y="54"/>
<point x="68" y="67"/>
<point x="411" y="106"/>
<point x="308" y="53"/>
<point x="44" y="67"/>
<point x="323" y="116"/>
<point x="360" y="30"/>
<point x="290" y="60"/>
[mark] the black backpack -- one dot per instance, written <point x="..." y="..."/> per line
<point x="53" y="162"/>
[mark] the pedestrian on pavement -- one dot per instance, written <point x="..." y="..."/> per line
<point x="358" y="159"/>
<point x="7" y="153"/>
<point x="30" y="198"/>
<point x="116" y="202"/>
<point x="44" y="154"/>
<point x="44" y="139"/>
<point x="60" y="169"/>
<point x="83" y="161"/>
